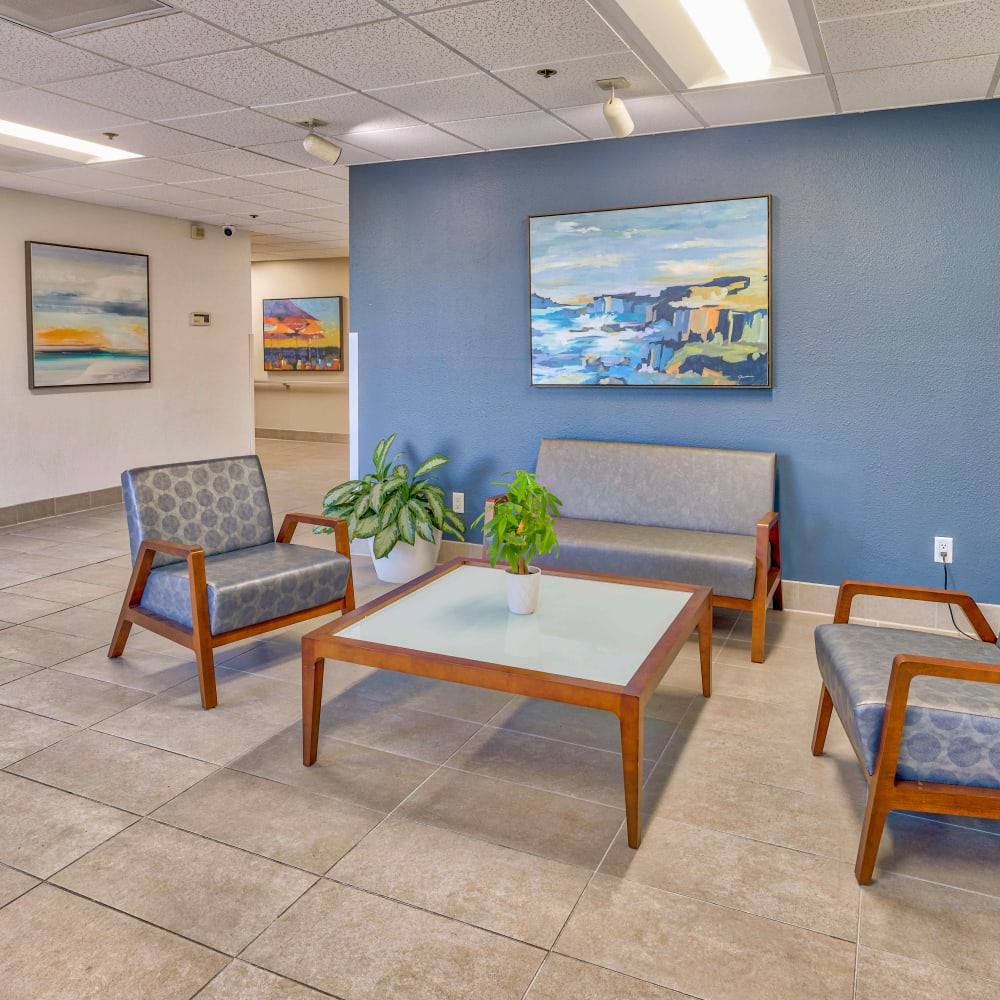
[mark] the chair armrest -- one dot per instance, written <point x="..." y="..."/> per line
<point x="850" y="589"/>
<point x="339" y="525"/>
<point x="193" y="555"/>
<point x="768" y="547"/>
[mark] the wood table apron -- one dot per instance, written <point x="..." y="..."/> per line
<point x="625" y="701"/>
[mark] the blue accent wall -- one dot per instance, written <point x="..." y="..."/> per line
<point x="885" y="324"/>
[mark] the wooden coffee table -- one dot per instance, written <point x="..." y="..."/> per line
<point x="600" y="642"/>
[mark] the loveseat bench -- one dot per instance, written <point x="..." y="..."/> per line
<point x="689" y="515"/>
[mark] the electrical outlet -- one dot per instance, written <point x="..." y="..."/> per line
<point x="458" y="503"/>
<point x="942" y="550"/>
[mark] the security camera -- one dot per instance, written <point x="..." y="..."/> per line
<point x="228" y="230"/>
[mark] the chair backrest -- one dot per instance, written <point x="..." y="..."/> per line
<point x="220" y="505"/>
<point x="662" y="486"/>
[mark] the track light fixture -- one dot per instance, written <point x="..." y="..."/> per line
<point x="316" y="145"/>
<point x="615" y="112"/>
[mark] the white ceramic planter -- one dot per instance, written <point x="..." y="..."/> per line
<point x="407" y="562"/>
<point x="522" y="591"/>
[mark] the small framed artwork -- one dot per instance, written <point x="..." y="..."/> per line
<point x="88" y="316"/>
<point x="303" y="334"/>
<point x="669" y="296"/>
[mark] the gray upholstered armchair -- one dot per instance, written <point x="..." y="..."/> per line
<point x="207" y="568"/>
<point x="922" y="711"/>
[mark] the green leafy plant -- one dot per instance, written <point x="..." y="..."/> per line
<point x="389" y="506"/>
<point x="523" y="523"/>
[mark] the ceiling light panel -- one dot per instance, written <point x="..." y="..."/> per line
<point x="62" y="147"/>
<point x="68" y="17"/>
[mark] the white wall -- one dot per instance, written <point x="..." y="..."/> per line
<point x="59" y="442"/>
<point x="316" y="402"/>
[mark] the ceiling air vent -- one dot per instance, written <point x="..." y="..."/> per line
<point x="73" y="17"/>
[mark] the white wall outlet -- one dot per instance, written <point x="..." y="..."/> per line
<point x="458" y="503"/>
<point x="942" y="550"/>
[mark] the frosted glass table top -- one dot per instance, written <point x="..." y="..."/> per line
<point x="584" y="628"/>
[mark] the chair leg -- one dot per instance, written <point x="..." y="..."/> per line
<point x="823" y="712"/>
<point x="777" y="601"/>
<point x="120" y="637"/>
<point x="206" y="673"/>
<point x="759" y="621"/>
<point x="871" y="835"/>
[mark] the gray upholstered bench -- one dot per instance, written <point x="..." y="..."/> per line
<point x="689" y="515"/>
<point x="207" y="568"/>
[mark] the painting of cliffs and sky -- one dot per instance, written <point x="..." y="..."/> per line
<point x="88" y="316"/>
<point x="667" y="295"/>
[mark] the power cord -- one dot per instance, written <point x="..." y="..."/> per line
<point x="951" y="607"/>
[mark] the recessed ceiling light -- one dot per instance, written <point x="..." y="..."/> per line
<point x="72" y="17"/>
<point x="65" y="147"/>
<point x="731" y="33"/>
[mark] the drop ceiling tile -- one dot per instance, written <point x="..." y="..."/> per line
<point x="575" y="81"/>
<point x="155" y="171"/>
<point x="39" y="184"/>
<point x="266" y="22"/>
<point x="502" y="34"/>
<point x="830" y="9"/>
<point x="383" y="54"/>
<point x="9" y="85"/>
<point x="533" y="128"/>
<point x="419" y="6"/>
<point x="59" y="114"/>
<point x="31" y="57"/>
<point x="771" y="100"/>
<point x="248" y="77"/>
<point x="236" y="128"/>
<point x="93" y="177"/>
<point x="307" y="180"/>
<point x="336" y="213"/>
<point x="413" y="143"/>
<point x="926" y="34"/>
<point x="173" y="194"/>
<point x="292" y="200"/>
<point x="292" y="152"/>
<point x="233" y="207"/>
<point x="157" y="40"/>
<point x="226" y="187"/>
<point x="238" y="162"/>
<point x="158" y="140"/>
<point x="344" y="115"/>
<point x="319" y="227"/>
<point x="456" y="98"/>
<point x="119" y="199"/>
<point x="134" y="92"/>
<point x="921" y="83"/>
<point x="650" y="114"/>
<point x="268" y="228"/>
<point x="284" y="218"/>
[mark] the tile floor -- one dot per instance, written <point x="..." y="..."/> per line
<point x="450" y="842"/>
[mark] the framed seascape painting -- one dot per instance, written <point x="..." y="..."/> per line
<point x="665" y="295"/>
<point x="303" y="335"/>
<point x="88" y="316"/>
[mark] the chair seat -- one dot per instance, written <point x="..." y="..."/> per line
<point x="952" y="730"/>
<point x="252" y="585"/>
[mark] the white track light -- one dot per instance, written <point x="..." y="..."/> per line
<point x="615" y="112"/>
<point x="321" y="148"/>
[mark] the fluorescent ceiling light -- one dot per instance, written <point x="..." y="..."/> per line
<point x="60" y="18"/>
<point x="37" y="140"/>
<point x="731" y="33"/>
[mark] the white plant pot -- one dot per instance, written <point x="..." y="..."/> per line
<point x="407" y="562"/>
<point x="522" y="591"/>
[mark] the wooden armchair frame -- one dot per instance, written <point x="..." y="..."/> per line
<point x="886" y="792"/>
<point x="199" y="639"/>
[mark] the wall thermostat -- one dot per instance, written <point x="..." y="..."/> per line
<point x="201" y="319"/>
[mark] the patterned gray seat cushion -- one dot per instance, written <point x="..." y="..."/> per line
<point x="724" y="562"/>
<point x="251" y="585"/>
<point x="952" y="730"/>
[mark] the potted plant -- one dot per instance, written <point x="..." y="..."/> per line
<point x="389" y="506"/>
<point x="522" y="527"/>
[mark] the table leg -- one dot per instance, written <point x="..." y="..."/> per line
<point x="630" y="718"/>
<point x="312" y="700"/>
<point x="705" y="648"/>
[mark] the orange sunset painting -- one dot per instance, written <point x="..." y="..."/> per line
<point x="302" y="334"/>
<point x="88" y="316"/>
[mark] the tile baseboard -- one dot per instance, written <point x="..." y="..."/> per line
<point x="72" y="503"/>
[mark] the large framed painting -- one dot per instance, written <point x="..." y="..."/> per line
<point x="88" y="316"/>
<point x="303" y="335"/>
<point x="664" y="295"/>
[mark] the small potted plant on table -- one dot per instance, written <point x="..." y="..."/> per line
<point x="522" y="527"/>
<point x="388" y="506"/>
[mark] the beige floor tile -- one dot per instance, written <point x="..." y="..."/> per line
<point x="564" y="978"/>
<point x="43" y="829"/>
<point x="152" y="672"/>
<point x="111" y="575"/>
<point x="361" y="946"/>
<point x="882" y="975"/>
<point x="239" y="981"/>
<point x="86" y="622"/>
<point x="15" y="608"/>
<point x="57" y="946"/>
<point x="39" y="647"/>
<point x="63" y="590"/>
<point x="277" y="821"/>
<point x="13" y="884"/>
<point x="111" y="603"/>
<point x="933" y="923"/>
<point x="23" y="733"/>
<point x="69" y="698"/>
<point x="512" y="815"/>
<point x="807" y="890"/>
<point x="516" y="894"/>
<point x="10" y="670"/>
<point x="706" y="950"/>
<point x="346" y="771"/>
<point x="118" y="772"/>
<point x="209" y="892"/>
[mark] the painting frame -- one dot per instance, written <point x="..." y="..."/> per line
<point x="675" y="295"/>
<point x="316" y="319"/>
<point x="88" y="316"/>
